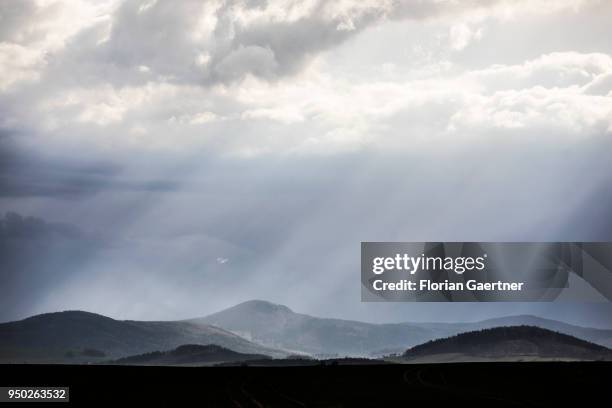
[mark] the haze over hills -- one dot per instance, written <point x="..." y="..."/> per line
<point x="278" y="326"/>
<point x="75" y="336"/>
<point x="508" y="343"/>
<point x="253" y="327"/>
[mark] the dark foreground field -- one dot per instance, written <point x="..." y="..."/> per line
<point x="491" y="384"/>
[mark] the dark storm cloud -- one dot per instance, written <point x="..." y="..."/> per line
<point x="14" y="226"/>
<point x="37" y="258"/>
<point x="23" y="174"/>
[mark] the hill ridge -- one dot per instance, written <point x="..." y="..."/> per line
<point x="511" y="341"/>
<point x="189" y="354"/>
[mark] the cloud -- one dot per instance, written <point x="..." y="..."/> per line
<point x="318" y="113"/>
<point x="557" y="69"/>
<point x="601" y="85"/>
<point x="19" y="64"/>
<point x="252" y="59"/>
<point x="216" y="41"/>
<point x="15" y="226"/>
<point x="157" y="75"/>
<point x="461" y="35"/>
<point x="558" y="112"/>
<point x="37" y="257"/>
<point x="277" y="134"/>
<point x="28" y="174"/>
<point x="17" y="18"/>
<point x="563" y="93"/>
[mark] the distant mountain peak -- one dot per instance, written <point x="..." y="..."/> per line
<point x="263" y="306"/>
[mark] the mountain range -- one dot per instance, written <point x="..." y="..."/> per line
<point x="279" y="327"/>
<point x="75" y="336"/>
<point x="254" y="327"/>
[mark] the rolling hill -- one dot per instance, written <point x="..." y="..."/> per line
<point x="509" y="343"/>
<point x="190" y="355"/>
<point x="76" y="336"/>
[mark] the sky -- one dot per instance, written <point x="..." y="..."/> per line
<point x="164" y="160"/>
